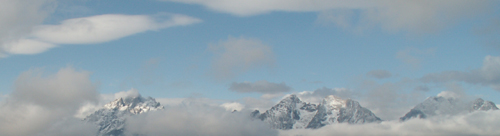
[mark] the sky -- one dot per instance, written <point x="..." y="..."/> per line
<point x="248" y="53"/>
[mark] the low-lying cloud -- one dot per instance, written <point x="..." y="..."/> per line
<point x="45" y="104"/>
<point x="476" y="123"/>
<point x="197" y="120"/>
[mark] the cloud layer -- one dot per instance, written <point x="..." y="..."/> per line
<point x="477" y="123"/>
<point x="197" y="119"/>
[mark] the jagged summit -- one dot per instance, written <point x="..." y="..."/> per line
<point x="293" y="113"/>
<point x="439" y="105"/>
<point x="135" y="105"/>
<point x="111" y="118"/>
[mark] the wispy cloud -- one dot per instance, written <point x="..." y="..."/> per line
<point x="262" y="86"/>
<point x="93" y="29"/>
<point x="239" y="55"/>
<point x="409" y="15"/>
<point x="380" y="74"/>
<point x="487" y="75"/>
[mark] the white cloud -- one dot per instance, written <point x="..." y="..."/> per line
<point x="238" y="55"/>
<point x="232" y="106"/>
<point x="319" y="94"/>
<point x="27" y="46"/>
<point x="407" y="15"/>
<point x="487" y="75"/>
<point x="197" y="120"/>
<point x="17" y="17"/>
<point x="103" y="28"/>
<point x="476" y="123"/>
<point x="45" y="105"/>
<point x="93" y="29"/>
<point x="254" y="7"/>
<point x="262" y="86"/>
<point x="127" y="94"/>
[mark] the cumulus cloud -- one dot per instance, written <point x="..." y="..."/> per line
<point x="380" y="74"/>
<point x="197" y="120"/>
<point x="408" y="15"/>
<point x="45" y="105"/>
<point x="262" y="86"/>
<point x="476" y="123"/>
<point x="487" y="75"/>
<point x="238" y="55"/>
<point x="93" y="29"/>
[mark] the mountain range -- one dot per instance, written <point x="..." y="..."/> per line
<point x="293" y="113"/>
<point x="438" y="105"/>
<point x="290" y="113"/>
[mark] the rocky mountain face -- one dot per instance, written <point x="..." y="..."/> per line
<point x="292" y="113"/>
<point x="438" y="105"/>
<point x="111" y="118"/>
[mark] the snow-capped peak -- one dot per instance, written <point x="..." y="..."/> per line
<point x="135" y="105"/>
<point x="111" y="118"/>
<point x="115" y="104"/>
<point x="334" y="101"/>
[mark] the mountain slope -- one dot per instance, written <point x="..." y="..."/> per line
<point x="292" y="113"/>
<point x="439" y="105"/>
<point x="111" y="118"/>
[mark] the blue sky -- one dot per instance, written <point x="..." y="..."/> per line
<point x="303" y="45"/>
